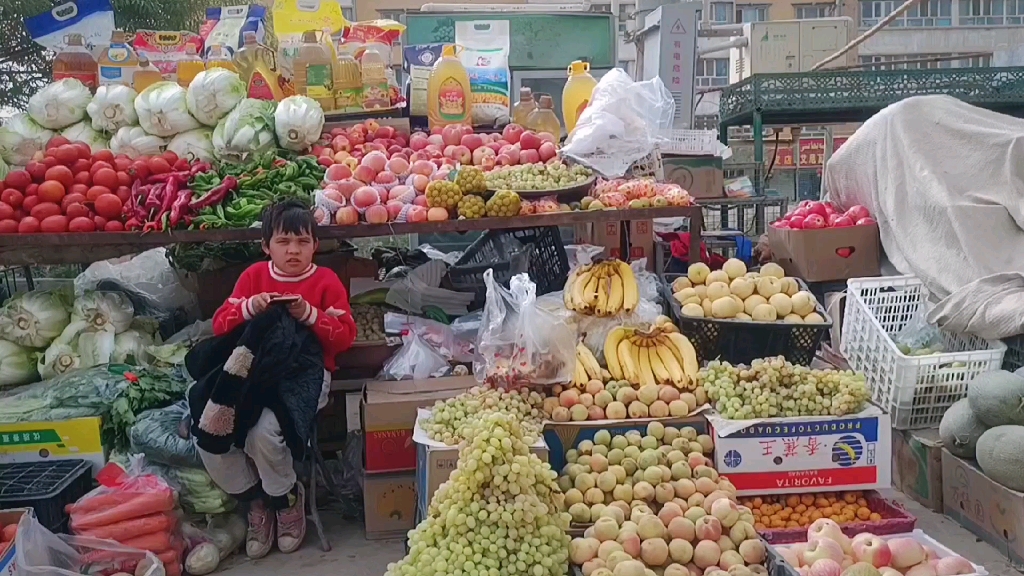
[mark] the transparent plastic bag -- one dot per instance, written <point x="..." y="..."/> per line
<point x="162" y="435"/>
<point x="123" y="495"/>
<point x="621" y="124"/>
<point x="918" y="337"/>
<point x="197" y="492"/>
<point x="437" y="335"/>
<point x="225" y="531"/>
<point x="39" y="551"/>
<point x="149" y="274"/>
<point x="524" y="340"/>
<point x="415" y="360"/>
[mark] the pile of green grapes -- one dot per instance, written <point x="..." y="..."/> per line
<point x="451" y="420"/>
<point x="773" y="387"/>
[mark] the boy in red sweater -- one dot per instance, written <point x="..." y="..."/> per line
<point x="263" y="473"/>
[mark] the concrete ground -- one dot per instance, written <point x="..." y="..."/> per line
<point x="353" y="555"/>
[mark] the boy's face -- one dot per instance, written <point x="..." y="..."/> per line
<point x="291" y="253"/>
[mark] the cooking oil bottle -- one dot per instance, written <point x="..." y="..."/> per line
<point x="376" y="92"/>
<point x="117" y="62"/>
<point x="521" y="111"/>
<point x="577" y="92"/>
<point x="190" y="66"/>
<point x="218" y="57"/>
<point x="257" y="66"/>
<point x="448" y="92"/>
<point x="145" y="76"/>
<point x="348" y="84"/>
<point x="314" y="70"/>
<point x="543" y="119"/>
<point x="74" y="61"/>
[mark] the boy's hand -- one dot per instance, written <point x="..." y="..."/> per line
<point x="298" y="308"/>
<point x="259" y="302"/>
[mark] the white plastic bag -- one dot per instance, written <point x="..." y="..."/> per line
<point x="415" y="360"/>
<point x="149" y="274"/>
<point x="621" y="124"/>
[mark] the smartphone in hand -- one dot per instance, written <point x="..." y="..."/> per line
<point x="285" y="299"/>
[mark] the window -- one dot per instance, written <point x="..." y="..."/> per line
<point x="705" y="122"/>
<point x="721" y="12"/>
<point x="927" y="13"/>
<point x="751" y="13"/>
<point x="991" y="12"/>
<point x="812" y="11"/>
<point x="884" y="62"/>
<point x="712" y="72"/>
<point x="349" y="12"/>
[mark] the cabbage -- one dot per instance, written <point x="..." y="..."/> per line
<point x="59" y="104"/>
<point x="162" y="110"/>
<point x="298" y="121"/>
<point x="34" y="319"/>
<point x="134" y="142"/>
<point x="83" y="132"/>
<point x="195" y="145"/>
<point x="246" y="130"/>
<point x="102" y="309"/>
<point x="17" y="365"/>
<point x="130" y="348"/>
<point x="80" y="345"/>
<point x="4" y="169"/>
<point x="20" y="138"/>
<point x="113" y="108"/>
<point x="213" y="93"/>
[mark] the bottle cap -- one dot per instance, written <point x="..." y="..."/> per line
<point x="525" y="94"/>
<point x="546" y="102"/>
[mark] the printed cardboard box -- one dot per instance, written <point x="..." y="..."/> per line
<point x="917" y="466"/>
<point x="988" y="509"/>
<point x="561" y="437"/>
<point x="701" y="176"/>
<point x="389" y="505"/>
<point x="7" y="565"/>
<point x="827" y="253"/>
<point x="805" y="454"/>
<point x="78" y="438"/>
<point x="389" y="415"/>
<point x="609" y="236"/>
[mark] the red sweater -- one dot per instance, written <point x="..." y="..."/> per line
<point x="328" y="313"/>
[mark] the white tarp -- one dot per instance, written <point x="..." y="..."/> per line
<point x="945" y="180"/>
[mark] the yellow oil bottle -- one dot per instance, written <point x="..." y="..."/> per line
<point x="521" y="111"/>
<point x="117" y="62"/>
<point x="448" y="92"/>
<point x="257" y="67"/>
<point x="314" y="70"/>
<point x="75" y="61"/>
<point x="577" y="92"/>
<point x="544" y="119"/>
<point x="348" y="84"/>
<point x="375" y="91"/>
<point x="146" y="75"/>
<point x="190" y="66"/>
<point x="218" y="57"/>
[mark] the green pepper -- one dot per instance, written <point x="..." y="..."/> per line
<point x="307" y="183"/>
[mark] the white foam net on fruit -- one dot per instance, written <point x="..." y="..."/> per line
<point x="452" y="420"/>
<point x="499" y="514"/>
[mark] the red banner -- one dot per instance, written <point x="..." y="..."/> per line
<point x="812" y="152"/>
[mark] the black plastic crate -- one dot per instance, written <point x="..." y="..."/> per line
<point x="1014" y="357"/>
<point x="775" y="563"/>
<point x="46" y="487"/>
<point x="537" y="251"/>
<point x="739" y="341"/>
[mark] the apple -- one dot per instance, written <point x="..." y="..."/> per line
<point x="452" y="134"/>
<point x="472" y="141"/>
<point x="547" y="151"/>
<point x="866" y="221"/>
<point x="384" y="132"/>
<point x="817" y="208"/>
<point x="394" y="149"/>
<point x="503" y="160"/>
<point x="436" y="140"/>
<point x="829" y="208"/>
<point x="814" y="221"/>
<point x="781" y="224"/>
<point x="449" y="150"/>
<point x="462" y="154"/>
<point x="496" y="147"/>
<point x="529" y="156"/>
<point x="800" y="211"/>
<point x="341" y="144"/>
<point x="512" y="133"/>
<point x="512" y="151"/>
<point x="831" y="219"/>
<point x="804" y="203"/>
<point x="856" y="212"/>
<point x="480" y="153"/>
<point x="337" y="131"/>
<point x="842" y="221"/>
<point x="337" y="172"/>
<point x="547" y="136"/>
<point x="530" y="141"/>
<point x="871" y="549"/>
<point x="822" y="548"/>
<point x="796" y="222"/>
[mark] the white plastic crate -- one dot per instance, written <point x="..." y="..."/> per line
<point x="690" y="142"/>
<point x="914" y="390"/>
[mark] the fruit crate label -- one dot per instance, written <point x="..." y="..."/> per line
<point x="806" y="454"/>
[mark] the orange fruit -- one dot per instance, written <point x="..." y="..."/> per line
<point x="792" y="500"/>
<point x="863" y="513"/>
<point x="875" y="517"/>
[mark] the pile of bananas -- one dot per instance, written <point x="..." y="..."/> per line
<point x="588" y="368"/>
<point x="660" y="355"/>
<point x="602" y="289"/>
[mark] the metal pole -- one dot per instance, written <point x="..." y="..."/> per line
<point x="758" y="151"/>
<point x="863" y="37"/>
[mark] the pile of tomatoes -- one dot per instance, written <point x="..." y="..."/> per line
<point x="69" y="188"/>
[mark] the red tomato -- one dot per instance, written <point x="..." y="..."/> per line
<point x="106" y="177"/>
<point x="123" y="192"/>
<point x="29" y="203"/>
<point x="54" y="224"/>
<point x="81" y="166"/>
<point x="50" y="162"/>
<point x="100" y="221"/>
<point x="66" y="154"/>
<point x="78" y="189"/>
<point x="104" y="156"/>
<point x="99" y="166"/>
<point x="122" y="163"/>
<point x="8" y="227"/>
<point x="83" y="178"/>
<point x="83" y="150"/>
<point x="51" y="191"/>
<point x="61" y="174"/>
<point x="74" y="210"/>
<point x="170" y="157"/>
<point x="123" y="179"/>
<point x="28" y="225"/>
<point x="18" y="179"/>
<point x="139" y="170"/>
<point x="44" y="210"/>
<point x="12" y="197"/>
<point x="159" y="165"/>
<point x="32" y="190"/>
<point x="57" y="141"/>
<point x="82" y="225"/>
<point x="181" y="164"/>
<point x="112" y="226"/>
<point x="72" y="199"/>
<point x="6" y="212"/>
<point x="95" y="192"/>
<point x="37" y="170"/>
<point x="108" y="206"/>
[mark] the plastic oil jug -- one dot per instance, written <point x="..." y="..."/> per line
<point x="314" y="70"/>
<point x="118" y="61"/>
<point x="448" y="92"/>
<point x="348" y="84"/>
<point x="74" y="61"/>
<point x="521" y="111"/>
<point x="218" y="57"/>
<point x="543" y="119"/>
<point x="257" y="67"/>
<point x="577" y="92"/>
<point x="146" y="75"/>
<point x="376" y="92"/>
<point x="190" y="66"/>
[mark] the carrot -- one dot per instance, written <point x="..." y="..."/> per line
<point x="156" y="543"/>
<point x="107" y="497"/>
<point x="170" y="557"/>
<point x="173" y="569"/>
<point x="9" y="532"/>
<point x="140" y="505"/>
<point x="160" y="522"/>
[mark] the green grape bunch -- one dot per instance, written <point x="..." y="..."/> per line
<point x="452" y="420"/>
<point x="773" y="387"/>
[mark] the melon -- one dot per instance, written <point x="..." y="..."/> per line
<point x="997" y="398"/>
<point x="960" y="429"/>
<point x="1000" y="454"/>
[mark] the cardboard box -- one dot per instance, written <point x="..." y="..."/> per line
<point x="78" y="438"/>
<point x="988" y="509"/>
<point x="389" y="505"/>
<point x="608" y="235"/>
<point x="917" y="466"/>
<point x="561" y="437"/>
<point x="805" y="454"/>
<point x="701" y="176"/>
<point x="389" y="416"/>
<point x="7" y="564"/>
<point x="827" y="253"/>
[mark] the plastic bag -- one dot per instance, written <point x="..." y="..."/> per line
<point x="621" y="124"/>
<point x="39" y="551"/>
<point x="149" y="274"/>
<point x="524" y="341"/>
<point x="918" y="337"/>
<point x="439" y="336"/>
<point x="225" y="531"/>
<point x="415" y="360"/>
<point x="162" y="435"/>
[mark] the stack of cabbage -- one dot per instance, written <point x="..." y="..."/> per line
<point x="210" y="120"/>
<point x="989" y="425"/>
<point x="46" y="334"/>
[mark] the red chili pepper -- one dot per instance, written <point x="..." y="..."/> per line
<point x="153" y="226"/>
<point x="180" y="175"/>
<point x="170" y="195"/>
<point x="199" y="168"/>
<point x="216" y="195"/>
<point x="280" y="162"/>
<point x="155" y="199"/>
<point x="133" y="224"/>
<point x="131" y="377"/>
<point x="184" y="197"/>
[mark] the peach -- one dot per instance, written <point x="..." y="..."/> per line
<point x="398" y="165"/>
<point x="376" y="214"/>
<point x="364" y="174"/>
<point x="376" y="160"/>
<point x="906" y="552"/>
<point x="365" y="197"/>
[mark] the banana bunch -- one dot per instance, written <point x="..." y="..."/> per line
<point x="602" y="289"/>
<point x="660" y="355"/>
<point x="587" y="368"/>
